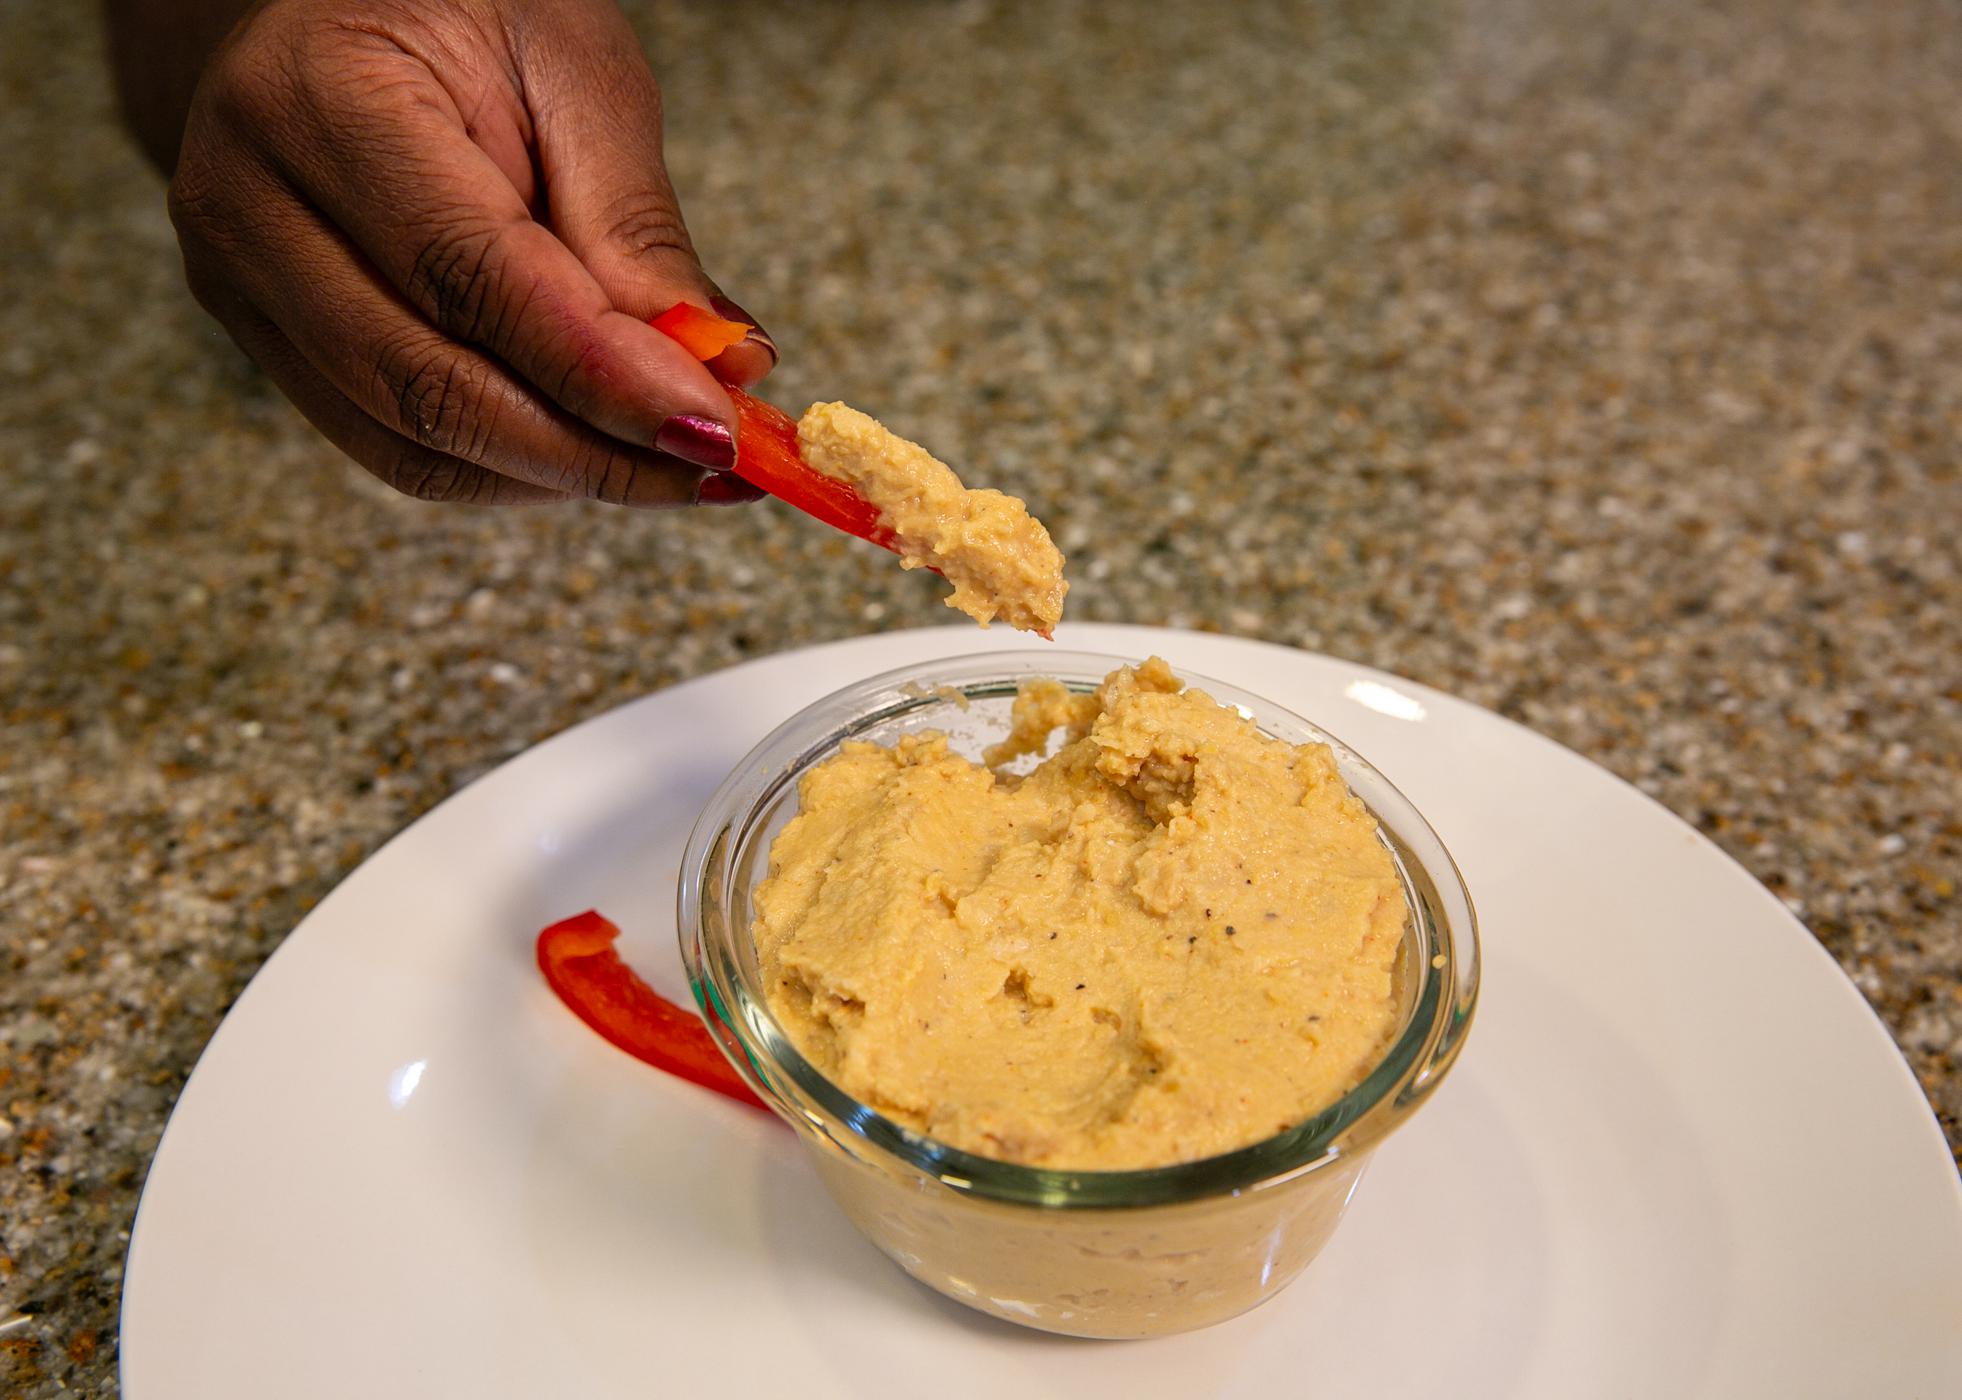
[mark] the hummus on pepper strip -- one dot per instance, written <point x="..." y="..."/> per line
<point x="1174" y="937"/>
<point x="1000" y="560"/>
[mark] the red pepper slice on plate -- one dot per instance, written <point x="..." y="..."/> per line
<point x="766" y="437"/>
<point x="579" y="962"/>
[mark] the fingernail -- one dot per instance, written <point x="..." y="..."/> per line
<point x="727" y="490"/>
<point x="729" y="311"/>
<point x="702" y="441"/>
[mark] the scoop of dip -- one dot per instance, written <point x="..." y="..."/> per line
<point x="1173" y="937"/>
<point x="1000" y="560"/>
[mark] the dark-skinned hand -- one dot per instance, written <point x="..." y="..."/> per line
<point x="441" y="227"/>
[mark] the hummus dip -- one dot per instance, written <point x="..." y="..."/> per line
<point x="1174" y="937"/>
<point x="1000" y="560"/>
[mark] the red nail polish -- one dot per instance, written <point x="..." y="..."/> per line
<point x="727" y="490"/>
<point x="702" y="441"/>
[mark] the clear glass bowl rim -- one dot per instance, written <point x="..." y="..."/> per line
<point x="739" y="1017"/>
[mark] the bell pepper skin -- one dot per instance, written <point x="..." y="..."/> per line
<point x="580" y="964"/>
<point x="767" y="456"/>
<point x="702" y="334"/>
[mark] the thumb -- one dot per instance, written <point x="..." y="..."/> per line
<point x="596" y="112"/>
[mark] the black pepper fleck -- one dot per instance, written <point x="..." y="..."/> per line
<point x="1230" y="930"/>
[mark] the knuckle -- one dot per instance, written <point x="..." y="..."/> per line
<point x="616" y="478"/>
<point x="188" y="197"/>
<point x="454" y="279"/>
<point x="615" y="481"/>
<point x="427" y="476"/>
<point x="595" y="471"/>
<point x="199" y="197"/>
<point x="644" y="223"/>
<point x="437" y="395"/>
<point x="250" y="83"/>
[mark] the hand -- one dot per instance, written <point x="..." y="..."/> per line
<point x="441" y="228"/>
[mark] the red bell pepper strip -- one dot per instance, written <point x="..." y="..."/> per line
<point x="766" y="438"/>
<point x="767" y="456"/>
<point x="702" y="334"/>
<point x="579" y="962"/>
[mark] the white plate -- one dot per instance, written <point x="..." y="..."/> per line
<point x="1679" y="1157"/>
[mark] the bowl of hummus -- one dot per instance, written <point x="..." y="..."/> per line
<point x="1090" y="987"/>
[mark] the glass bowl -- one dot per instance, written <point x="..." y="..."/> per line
<point x="1088" y="1253"/>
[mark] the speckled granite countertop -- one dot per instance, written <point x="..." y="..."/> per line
<point x="1601" y="363"/>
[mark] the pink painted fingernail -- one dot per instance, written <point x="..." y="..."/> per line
<point x="702" y="441"/>
<point x="728" y="490"/>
